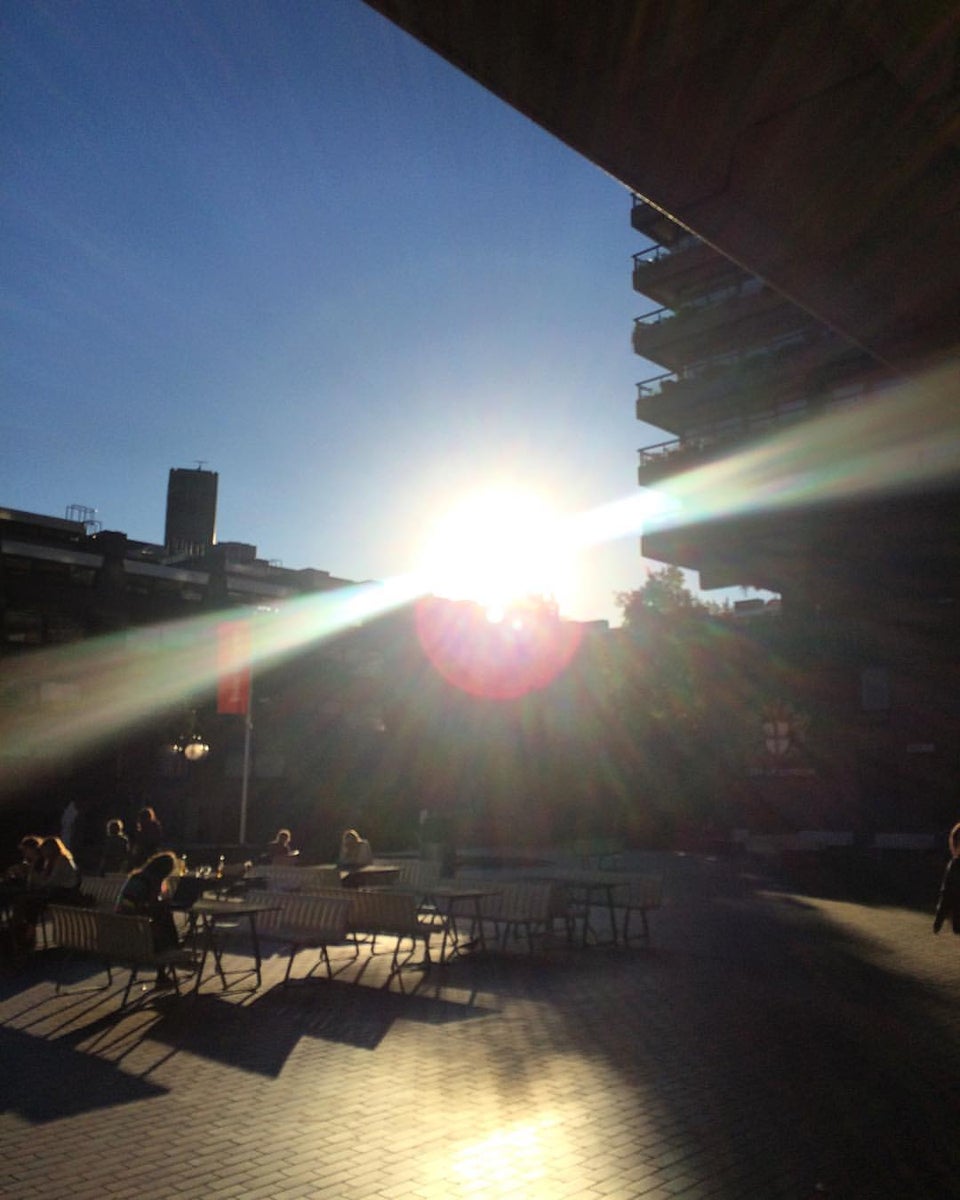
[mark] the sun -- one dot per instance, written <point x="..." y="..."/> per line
<point x="495" y="548"/>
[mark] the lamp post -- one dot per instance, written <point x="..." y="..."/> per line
<point x="192" y="745"/>
<point x="245" y="777"/>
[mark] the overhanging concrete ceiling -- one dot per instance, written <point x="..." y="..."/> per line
<point x="815" y="143"/>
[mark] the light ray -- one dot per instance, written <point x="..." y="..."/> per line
<point x="59" y="701"/>
<point x="906" y="439"/>
<point x="98" y="688"/>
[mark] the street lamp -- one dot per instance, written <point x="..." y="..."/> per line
<point x="191" y="745"/>
<point x="195" y="748"/>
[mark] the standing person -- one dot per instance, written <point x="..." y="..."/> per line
<point x="68" y="825"/>
<point x="147" y="893"/>
<point x="948" y="902"/>
<point x="146" y="838"/>
<point x="115" y="852"/>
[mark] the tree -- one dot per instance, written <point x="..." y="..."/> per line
<point x="664" y="592"/>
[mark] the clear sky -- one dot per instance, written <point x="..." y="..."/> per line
<point x="285" y="240"/>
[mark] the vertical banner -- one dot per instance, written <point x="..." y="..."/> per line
<point x="233" y="667"/>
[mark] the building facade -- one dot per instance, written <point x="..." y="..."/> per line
<point x="796" y="459"/>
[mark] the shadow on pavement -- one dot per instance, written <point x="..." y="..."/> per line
<point x="259" y="1037"/>
<point x="773" y="1050"/>
<point x="36" y="1079"/>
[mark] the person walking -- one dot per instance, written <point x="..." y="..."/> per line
<point x="948" y="902"/>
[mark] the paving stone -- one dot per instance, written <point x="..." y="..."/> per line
<point x="766" y="1041"/>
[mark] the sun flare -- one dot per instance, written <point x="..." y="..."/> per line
<point x="496" y="548"/>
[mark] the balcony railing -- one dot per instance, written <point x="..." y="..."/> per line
<point x="659" y="252"/>
<point x="653" y="386"/>
<point x="657" y="317"/>
<point x="650" y="221"/>
<point x="740" y="428"/>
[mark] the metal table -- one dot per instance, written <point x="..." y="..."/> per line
<point x="211" y="913"/>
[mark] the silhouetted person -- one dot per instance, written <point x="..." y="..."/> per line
<point x="147" y="893"/>
<point x="146" y="838"/>
<point x="281" y="850"/>
<point x="948" y="903"/>
<point x="115" y="853"/>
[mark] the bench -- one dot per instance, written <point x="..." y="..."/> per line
<point x="102" y="890"/>
<point x="530" y="907"/>
<point x="418" y="876"/>
<point x="396" y="915"/>
<point x="642" y="895"/>
<point x="304" y="920"/>
<point x="297" y="879"/>
<point x="597" y="852"/>
<point x="116" y="940"/>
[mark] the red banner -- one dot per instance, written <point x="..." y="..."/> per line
<point x="233" y="667"/>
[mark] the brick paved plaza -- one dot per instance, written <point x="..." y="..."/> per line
<point x="766" y="1044"/>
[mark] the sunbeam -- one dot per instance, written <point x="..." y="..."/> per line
<point x="908" y="438"/>
<point x="112" y="683"/>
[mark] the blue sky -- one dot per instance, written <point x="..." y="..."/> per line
<point x="287" y="241"/>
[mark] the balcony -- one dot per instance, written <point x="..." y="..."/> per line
<point x="654" y="224"/>
<point x="796" y="367"/>
<point x="680" y="274"/>
<point x="711" y="440"/>
<point x="738" y="318"/>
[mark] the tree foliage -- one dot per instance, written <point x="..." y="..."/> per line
<point x="664" y="592"/>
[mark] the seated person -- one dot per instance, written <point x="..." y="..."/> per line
<point x="147" y="893"/>
<point x="60" y="876"/>
<point x="16" y="882"/>
<point x="280" y="850"/>
<point x="27" y="872"/>
<point x="116" y="849"/>
<point x="52" y="877"/>
<point x="355" y="853"/>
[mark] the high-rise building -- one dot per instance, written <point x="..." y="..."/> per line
<point x="780" y="441"/>
<point x="191" y="526"/>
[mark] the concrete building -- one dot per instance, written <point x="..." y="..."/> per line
<point x="796" y="173"/>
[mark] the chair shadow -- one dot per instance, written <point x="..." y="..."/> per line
<point x="34" y="1081"/>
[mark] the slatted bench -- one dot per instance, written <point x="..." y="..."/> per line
<point x="528" y="907"/>
<point x="396" y="915"/>
<point x="642" y="895"/>
<point x="102" y="890"/>
<point x="596" y="852"/>
<point x="116" y="940"/>
<point x="418" y="876"/>
<point x="297" y="879"/>
<point x="304" y="920"/>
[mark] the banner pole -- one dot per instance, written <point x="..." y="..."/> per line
<point x="245" y="783"/>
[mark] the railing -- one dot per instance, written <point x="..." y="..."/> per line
<point x="647" y="388"/>
<point x="739" y="428"/>
<point x="729" y="364"/>
<point x="654" y="318"/>
<point x="658" y="253"/>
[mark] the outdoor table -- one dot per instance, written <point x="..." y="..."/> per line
<point x="373" y="875"/>
<point x="591" y="887"/>
<point x="465" y="898"/>
<point x="212" y="913"/>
